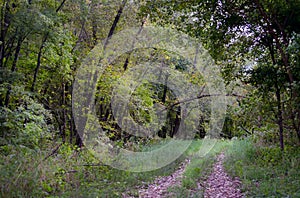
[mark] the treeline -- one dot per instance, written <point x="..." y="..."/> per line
<point x="256" y="45"/>
<point x="42" y="44"/>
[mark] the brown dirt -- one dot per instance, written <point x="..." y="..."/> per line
<point x="220" y="185"/>
<point x="159" y="188"/>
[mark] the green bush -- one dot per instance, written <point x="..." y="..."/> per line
<point x="24" y="125"/>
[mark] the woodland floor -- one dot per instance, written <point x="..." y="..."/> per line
<point x="159" y="188"/>
<point x="218" y="185"/>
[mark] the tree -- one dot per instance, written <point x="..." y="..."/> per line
<point x="235" y="30"/>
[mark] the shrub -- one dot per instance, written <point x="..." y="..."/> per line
<point x="24" y="125"/>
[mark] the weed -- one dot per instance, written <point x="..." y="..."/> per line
<point x="264" y="171"/>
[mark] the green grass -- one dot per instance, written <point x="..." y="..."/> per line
<point x="199" y="168"/>
<point x="265" y="171"/>
<point x="71" y="173"/>
<point x="68" y="173"/>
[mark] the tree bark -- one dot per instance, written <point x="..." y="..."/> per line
<point x="63" y="103"/>
<point x="114" y="25"/>
<point x="5" y="22"/>
<point x="13" y="69"/>
<point x="132" y="46"/>
<point x="38" y="64"/>
<point x="279" y="117"/>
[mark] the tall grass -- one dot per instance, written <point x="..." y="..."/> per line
<point x="68" y="173"/>
<point x="265" y="171"/>
<point x="199" y="168"/>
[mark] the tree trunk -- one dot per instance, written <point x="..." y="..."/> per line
<point x="38" y="64"/>
<point x="114" y="25"/>
<point x="5" y="22"/>
<point x="278" y="98"/>
<point x="94" y="22"/>
<point x="164" y="97"/>
<point x="71" y="130"/>
<point x="279" y="117"/>
<point x="83" y="118"/>
<point x="13" y="69"/>
<point x="132" y="46"/>
<point x="63" y="102"/>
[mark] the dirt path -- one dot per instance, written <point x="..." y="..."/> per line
<point x="219" y="184"/>
<point x="159" y="188"/>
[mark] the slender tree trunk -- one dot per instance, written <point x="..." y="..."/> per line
<point x="5" y="22"/>
<point x="8" y="53"/>
<point x="298" y="134"/>
<point x="176" y="125"/>
<point x="132" y="46"/>
<point x="18" y="49"/>
<point x="38" y="64"/>
<point x="279" y="116"/>
<point x="83" y="119"/>
<point x="63" y="103"/>
<point x="278" y="98"/>
<point x="60" y="6"/>
<point x="296" y="126"/>
<point x="114" y="25"/>
<point x="13" y="69"/>
<point x="74" y="132"/>
<point x="94" y="21"/>
<point x="164" y="97"/>
<point x="71" y="129"/>
<point x="78" y="142"/>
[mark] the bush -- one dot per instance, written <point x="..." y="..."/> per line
<point x="24" y="125"/>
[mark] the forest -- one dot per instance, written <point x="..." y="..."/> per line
<point x="144" y="98"/>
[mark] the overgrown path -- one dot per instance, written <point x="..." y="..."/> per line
<point x="219" y="184"/>
<point x="159" y="188"/>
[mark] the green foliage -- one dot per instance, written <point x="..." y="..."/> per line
<point x="265" y="32"/>
<point x="43" y="40"/>
<point x="64" y="170"/>
<point x="198" y="170"/>
<point x="264" y="171"/>
<point x="27" y="124"/>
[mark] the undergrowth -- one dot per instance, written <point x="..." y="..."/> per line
<point x="199" y="168"/>
<point x="69" y="172"/>
<point x="265" y="171"/>
<point x="73" y="172"/>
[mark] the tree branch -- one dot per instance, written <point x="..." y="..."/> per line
<point x="60" y="6"/>
<point x="199" y="97"/>
<point x="114" y="25"/>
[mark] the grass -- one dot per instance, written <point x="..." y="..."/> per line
<point x="199" y="168"/>
<point x="264" y="171"/>
<point x="69" y="173"/>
